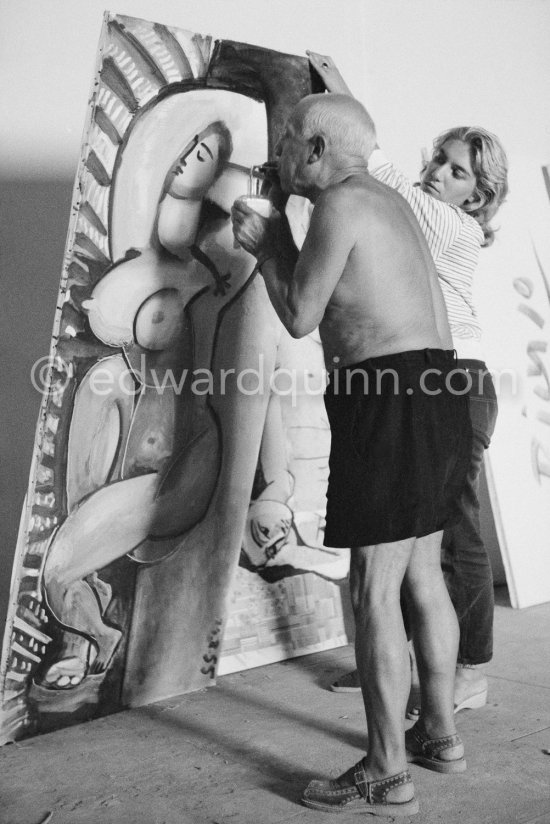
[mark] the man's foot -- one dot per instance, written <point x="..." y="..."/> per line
<point x="347" y="683"/>
<point x="392" y="796"/>
<point x="444" y="755"/>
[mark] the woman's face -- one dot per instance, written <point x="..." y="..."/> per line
<point x="449" y="176"/>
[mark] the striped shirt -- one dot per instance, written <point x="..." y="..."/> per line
<point x="454" y="239"/>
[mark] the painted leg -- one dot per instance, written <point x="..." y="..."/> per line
<point x="77" y="653"/>
<point x="108" y="524"/>
<point x="78" y="602"/>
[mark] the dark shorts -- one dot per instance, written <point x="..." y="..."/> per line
<point x="400" y="447"/>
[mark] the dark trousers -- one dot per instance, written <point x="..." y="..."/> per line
<point x="464" y="559"/>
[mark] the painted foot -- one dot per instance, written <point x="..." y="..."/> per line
<point x="65" y="673"/>
<point x="107" y="642"/>
<point x="79" y="658"/>
<point x="71" y="666"/>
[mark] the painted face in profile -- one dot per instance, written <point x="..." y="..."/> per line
<point x="186" y="185"/>
<point x="196" y="168"/>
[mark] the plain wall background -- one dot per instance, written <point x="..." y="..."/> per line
<point x="419" y="65"/>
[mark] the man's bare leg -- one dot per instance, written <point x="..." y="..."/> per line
<point x="435" y="634"/>
<point x="380" y="783"/>
<point x="376" y="574"/>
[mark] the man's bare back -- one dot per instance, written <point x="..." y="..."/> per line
<point x="364" y="275"/>
<point x="387" y="299"/>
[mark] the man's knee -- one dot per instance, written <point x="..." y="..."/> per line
<point x="422" y="581"/>
<point x="425" y="563"/>
<point x="375" y="580"/>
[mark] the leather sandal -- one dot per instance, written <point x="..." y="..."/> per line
<point x="352" y="791"/>
<point x="428" y="751"/>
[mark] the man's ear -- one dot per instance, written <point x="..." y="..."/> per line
<point x="317" y="148"/>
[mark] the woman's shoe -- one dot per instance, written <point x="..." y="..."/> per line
<point x="471" y="691"/>
<point x="473" y="702"/>
<point x="471" y="688"/>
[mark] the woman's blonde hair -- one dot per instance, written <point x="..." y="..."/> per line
<point x="490" y="166"/>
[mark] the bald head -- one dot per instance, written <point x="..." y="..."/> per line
<point x="342" y="122"/>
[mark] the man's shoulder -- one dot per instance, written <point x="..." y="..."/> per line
<point x="351" y="191"/>
<point x="339" y="198"/>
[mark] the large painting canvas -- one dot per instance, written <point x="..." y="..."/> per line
<point x="168" y="461"/>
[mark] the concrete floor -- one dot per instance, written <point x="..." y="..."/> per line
<point x="242" y="752"/>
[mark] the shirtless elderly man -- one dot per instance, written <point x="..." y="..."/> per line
<point x="400" y="432"/>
